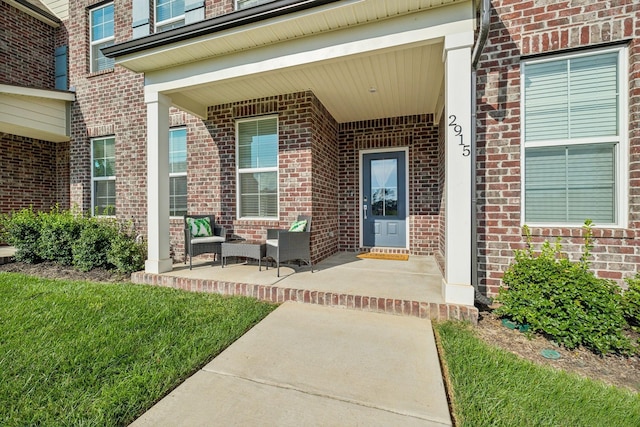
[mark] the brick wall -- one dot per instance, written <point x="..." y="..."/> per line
<point x="420" y="135"/>
<point x="306" y="137"/>
<point x="325" y="183"/>
<point x="27" y="48"/>
<point x="33" y="173"/>
<point x="109" y="103"/>
<point x="534" y="27"/>
<point x="440" y="254"/>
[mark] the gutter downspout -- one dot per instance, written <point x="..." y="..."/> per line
<point x="485" y="21"/>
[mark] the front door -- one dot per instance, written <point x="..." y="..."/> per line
<point x="384" y="208"/>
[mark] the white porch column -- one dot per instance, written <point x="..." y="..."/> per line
<point x="158" y="260"/>
<point x="456" y="285"/>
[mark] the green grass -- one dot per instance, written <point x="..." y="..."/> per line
<point x="80" y="353"/>
<point x="492" y="387"/>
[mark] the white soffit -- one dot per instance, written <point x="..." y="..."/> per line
<point x="39" y="10"/>
<point x="60" y="8"/>
<point x="381" y="59"/>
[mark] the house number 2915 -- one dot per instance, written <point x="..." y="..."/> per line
<point x="466" y="149"/>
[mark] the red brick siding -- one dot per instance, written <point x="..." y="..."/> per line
<point x="305" y="134"/>
<point x="532" y="27"/>
<point x="33" y="173"/>
<point x="26" y="49"/>
<point x="420" y="135"/>
<point x="440" y="254"/>
<point x="109" y="103"/>
<point x="325" y="185"/>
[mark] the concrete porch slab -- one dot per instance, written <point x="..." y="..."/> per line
<point x="410" y="288"/>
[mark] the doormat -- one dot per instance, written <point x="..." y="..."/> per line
<point x="380" y="255"/>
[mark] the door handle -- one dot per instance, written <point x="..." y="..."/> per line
<point x="364" y="208"/>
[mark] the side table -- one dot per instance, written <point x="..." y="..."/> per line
<point x="245" y="249"/>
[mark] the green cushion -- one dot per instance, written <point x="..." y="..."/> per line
<point x="200" y="227"/>
<point x="299" y="225"/>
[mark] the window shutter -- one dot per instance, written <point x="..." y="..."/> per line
<point x="193" y="11"/>
<point x="140" y="19"/>
<point x="61" y="67"/>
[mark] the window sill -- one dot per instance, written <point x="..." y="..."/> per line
<point x="100" y="73"/>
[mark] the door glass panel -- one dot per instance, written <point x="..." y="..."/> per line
<point x="384" y="187"/>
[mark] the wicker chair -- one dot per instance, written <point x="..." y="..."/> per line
<point x="284" y="245"/>
<point x="194" y="246"/>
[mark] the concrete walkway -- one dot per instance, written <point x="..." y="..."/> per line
<point x="316" y="366"/>
<point x="6" y="254"/>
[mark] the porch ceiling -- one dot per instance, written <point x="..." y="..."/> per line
<point x="390" y="84"/>
<point x="362" y="59"/>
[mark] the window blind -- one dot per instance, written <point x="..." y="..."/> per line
<point x="167" y="9"/>
<point x="178" y="151"/>
<point x="571" y="98"/>
<point x="258" y="167"/>
<point x="570" y="184"/>
<point x="258" y="144"/>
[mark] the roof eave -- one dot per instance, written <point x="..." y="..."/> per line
<point x="213" y="25"/>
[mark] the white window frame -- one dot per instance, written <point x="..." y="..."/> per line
<point x="176" y="174"/>
<point x="95" y="179"/>
<point x="621" y="142"/>
<point x="258" y="170"/>
<point x="167" y="24"/>
<point x="95" y="43"/>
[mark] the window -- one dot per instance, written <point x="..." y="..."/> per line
<point x="103" y="176"/>
<point x="178" y="172"/>
<point x="169" y="14"/>
<point x="101" y="21"/>
<point x="574" y="138"/>
<point x="245" y="4"/>
<point x="257" y="168"/>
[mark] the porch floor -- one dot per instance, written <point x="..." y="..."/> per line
<point x="410" y="287"/>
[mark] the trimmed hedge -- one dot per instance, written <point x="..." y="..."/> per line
<point x="69" y="238"/>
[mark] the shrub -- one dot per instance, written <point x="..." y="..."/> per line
<point x="631" y="301"/>
<point x="60" y="229"/>
<point x="22" y="229"/>
<point x="92" y="247"/>
<point x="564" y="299"/>
<point x="126" y="253"/>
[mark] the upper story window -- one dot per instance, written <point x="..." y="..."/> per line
<point x="103" y="176"/>
<point x="178" y="172"/>
<point x="574" y="134"/>
<point x="257" y="167"/>
<point x="244" y="4"/>
<point x="169" y="14"/>
<point x="101" y="23"/>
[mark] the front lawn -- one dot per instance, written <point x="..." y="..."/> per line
<point x="81" y="353"/>
<point x="492" y="387"/>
